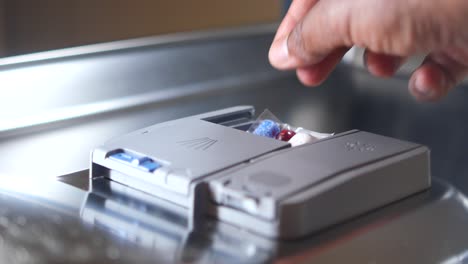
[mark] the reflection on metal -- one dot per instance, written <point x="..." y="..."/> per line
<point x="463" y="199"/>
<point x="161" y="226"/>
<point x="11" y="125"/>
<point x="43" y="191"/>
<point x="126" y="226"/>
<point x="144" y="42"/>
<point x="462" y="258"/>
<point x="355" y="56"/>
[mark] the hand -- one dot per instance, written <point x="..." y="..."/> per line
<point x="314" y="36"/>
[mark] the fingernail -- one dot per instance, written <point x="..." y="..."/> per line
<point x="422" y="89"/>
<point x="280" y="55"/>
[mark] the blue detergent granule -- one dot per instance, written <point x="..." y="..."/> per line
<point x="267" y="128"/>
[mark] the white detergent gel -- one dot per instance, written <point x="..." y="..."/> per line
<point x="314" y="134"/>
<point x="301" y="139"/>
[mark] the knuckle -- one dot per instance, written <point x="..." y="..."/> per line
<point x="387" y="29"/>
<point x="300" y="45"/>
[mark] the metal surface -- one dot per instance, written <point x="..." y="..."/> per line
<point x="55" y="110"/>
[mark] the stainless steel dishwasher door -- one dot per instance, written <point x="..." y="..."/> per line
<point x="56" y="106"/>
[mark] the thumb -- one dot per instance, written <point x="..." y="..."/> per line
<point x="319" y="33"/>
